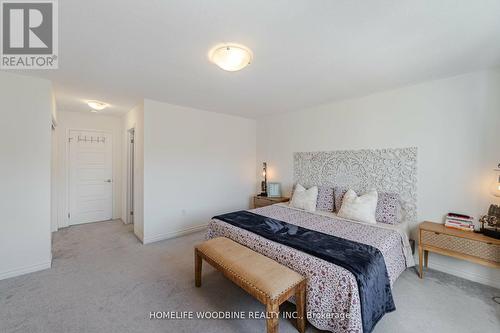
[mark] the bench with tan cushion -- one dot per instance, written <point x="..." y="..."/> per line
<point x="265" y="279"/>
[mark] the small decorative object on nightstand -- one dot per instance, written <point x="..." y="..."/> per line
<point x="490" y="224"/>
<point x="259" y="201"/>
<point x="466" y="245"/>
<point x="274" y="190"/>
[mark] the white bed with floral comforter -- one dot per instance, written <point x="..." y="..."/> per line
<point x="332" y="292"/>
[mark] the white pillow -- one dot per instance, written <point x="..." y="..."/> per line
<point x="359" y="208"/>
<point x="304" y="199"/>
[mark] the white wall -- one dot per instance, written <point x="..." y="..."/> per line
<point x="134" y="119"/>
<point x="196" y="164"/>
<point x="88" y="121"/>
<point x="455" y="124"/>
<point x="25" y="238"/>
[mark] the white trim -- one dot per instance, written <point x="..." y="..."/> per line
<point x="463" y="274"/>
<point x="139" y="236"/>
<point x="129" y="205"/>
<point x="445" y="268"/>
<point x="26" y="269"/>
<point x="174" y="234"/>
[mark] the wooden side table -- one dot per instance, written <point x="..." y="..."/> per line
<point x="466" y="245"/>
<point x="259" y="201"/>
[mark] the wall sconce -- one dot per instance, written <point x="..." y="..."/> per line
<point x="263" y="184"/>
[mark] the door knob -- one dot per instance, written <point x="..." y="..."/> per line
<point x="108" y="180"/>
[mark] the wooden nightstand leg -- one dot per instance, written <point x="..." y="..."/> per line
<point x="426" y="258"/>
<point x="420" y="260"/>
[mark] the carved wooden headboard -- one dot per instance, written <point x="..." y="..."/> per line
<point x="387" y="170"/>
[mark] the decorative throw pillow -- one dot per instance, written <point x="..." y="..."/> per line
<point x="388" y="206"/>
<point x="359" y="208"/>
<point x="304" y="199"/>
<point x="325" y="199"/>
<point x="338" y="193"/>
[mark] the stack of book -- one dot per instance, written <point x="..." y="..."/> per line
<point x="459" y="221"/>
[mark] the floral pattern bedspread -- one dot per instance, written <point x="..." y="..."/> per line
<point x="332" y="293"/>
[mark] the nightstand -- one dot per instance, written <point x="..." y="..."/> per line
<point x="259" y="201"/>
<point x="466" y="245"/>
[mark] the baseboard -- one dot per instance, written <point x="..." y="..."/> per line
<point x="25" y="270"/>
<point x="466" y="275"/>
<point x="139" y="236"/>
<point x="174" y="234"/>
<point x="445" y="268"/>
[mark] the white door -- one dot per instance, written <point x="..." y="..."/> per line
<point x="90" y="177"/>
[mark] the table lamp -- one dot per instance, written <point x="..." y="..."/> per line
<point x="490" y="223"/>
<point x="495" y="211"/>
<point x="263" y="185"/>
<point x="495" y="186"/>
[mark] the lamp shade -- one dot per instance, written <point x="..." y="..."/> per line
<point x="495" y="187"/>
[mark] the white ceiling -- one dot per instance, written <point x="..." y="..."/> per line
<point x="306" y="52"/>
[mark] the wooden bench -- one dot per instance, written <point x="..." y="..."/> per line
<point x="263" y="278"/>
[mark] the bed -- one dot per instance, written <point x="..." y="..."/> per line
<point x="333" y="300"/>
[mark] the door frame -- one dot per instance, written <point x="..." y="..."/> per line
<point x="129" y="218"/>
<point x="64" y="222"/>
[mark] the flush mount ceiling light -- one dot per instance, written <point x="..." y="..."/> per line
<point x="230" y="56"/>
<point x="96" y="106"/>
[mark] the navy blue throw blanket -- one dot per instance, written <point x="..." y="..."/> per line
<point x="364" y="261"/>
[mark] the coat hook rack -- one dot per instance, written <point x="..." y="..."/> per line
<point x="91" y="139"/>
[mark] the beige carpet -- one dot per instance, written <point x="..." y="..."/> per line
<point x="104" y="280"/>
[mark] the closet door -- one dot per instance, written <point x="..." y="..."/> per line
<point x="90" y="177"/>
